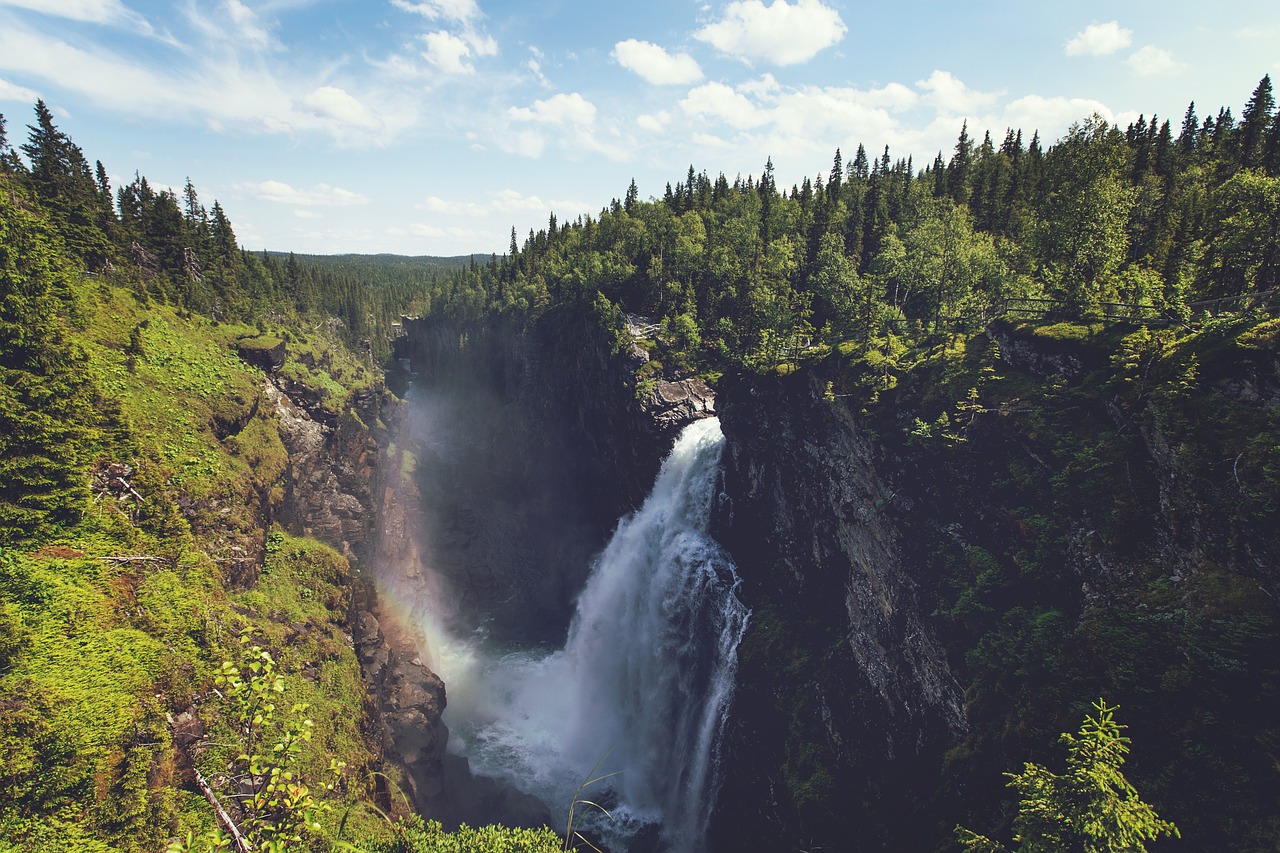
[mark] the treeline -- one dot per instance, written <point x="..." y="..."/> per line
<point x="171" y="248"/>
<point x="738" y="271"/>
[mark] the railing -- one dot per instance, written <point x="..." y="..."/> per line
<point x="1267" y="300"/>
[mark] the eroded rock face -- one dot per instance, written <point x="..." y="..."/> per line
<point x="842" y="683"/>
<point x="674" y="404"/>
<point x="332" y="472"/>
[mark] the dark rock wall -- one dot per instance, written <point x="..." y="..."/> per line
<point x="845" y="693"/>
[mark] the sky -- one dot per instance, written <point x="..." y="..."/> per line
<point x="432" y="127"/>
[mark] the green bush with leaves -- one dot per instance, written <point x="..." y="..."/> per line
<point x="1091" y="808"/>
<point x="281" y="811"/>
<point x="415" y="836"/>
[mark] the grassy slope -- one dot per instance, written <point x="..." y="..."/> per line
<point x="119" y="620"/>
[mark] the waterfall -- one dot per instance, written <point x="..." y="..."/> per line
<point x="643" y="683"/>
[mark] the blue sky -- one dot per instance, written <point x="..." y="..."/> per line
<point x="433" y="126"/>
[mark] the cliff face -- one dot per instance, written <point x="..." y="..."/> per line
<point x="844" y="690"/>
<point x="935" y="598"/>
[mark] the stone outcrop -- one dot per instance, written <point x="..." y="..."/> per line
<point x="268" y="354"/>
<point x="332" y="473"/>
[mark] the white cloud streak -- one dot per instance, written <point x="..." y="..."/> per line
<point x="219" y="90"/>
<point x="560" y="110"/>
<point x="13" y="92"/>
<point x="321" y="195"/>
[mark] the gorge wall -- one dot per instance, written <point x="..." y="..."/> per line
<point x="846" y="699"/>
<point x="936" y="598"/>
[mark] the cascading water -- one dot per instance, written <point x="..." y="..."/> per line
<point x="644" y="680"/>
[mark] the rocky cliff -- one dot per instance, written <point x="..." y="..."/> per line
<point x="946" y="568"/>
<point x="845" y="692"/>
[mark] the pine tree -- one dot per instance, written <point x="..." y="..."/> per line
<point x="8" y="160"/>
<point x="958" y="168"/>
<point x="1092" y="808"/>
<point x="45" y="396"/>
<point x="64" y="182"/>
<point x="629" y="204"/>
<point x="1190" y="135"/>
<point x="1255" y="124"/>
<point x="859" y="166"/>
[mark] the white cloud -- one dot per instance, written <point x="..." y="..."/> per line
<point x="334" y="103"/>
<point x="1100" y="40"/>
<point x="946" y="92"/>
<point x="90" y="11"/>
<point x="654" y="64"/>
<point x="535" y="67"/>
<point x="893" y="96"/>
<point x="436" y="232"/>
<point x="435" y="204"/>
<point x="210" y="90"/>
<point x="106" y="12"/>
<point x="779" y="33"/>
<point x="447" y="52"/>
<point x="560" y="110"/>
<point x="13" y="92"/>
<point x="307" y="214"/>
<point x="1152" y="61"/>
<point x="509" y="200"/>
<point x="503" y="201"/>
<point x="716" y="100"/>
<point x="763" y="87"/>
<point x="708" y="140"/>
<point x="321" y="195"/>
<point x="526" y="143"/>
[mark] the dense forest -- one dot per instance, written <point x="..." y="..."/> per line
<point x="739" y="271"/>
<point x="140" y="468"/>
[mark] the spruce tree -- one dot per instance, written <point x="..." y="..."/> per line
<point x="1190" y="134"/>
<point x="958" y="169"/>
<point x="45" y="396"/>
<point x="1090" y="808"/>
<point x="859" y="166"/>
<point x="1255" y="124"/>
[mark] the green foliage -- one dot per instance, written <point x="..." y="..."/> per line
<point x="416" y="837"/>
<point x="1091" y="807"/>
<point x="280" y="809"/>
<point x="45" y="396"/>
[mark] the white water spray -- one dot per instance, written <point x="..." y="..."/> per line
<point x="644" y="679"/>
